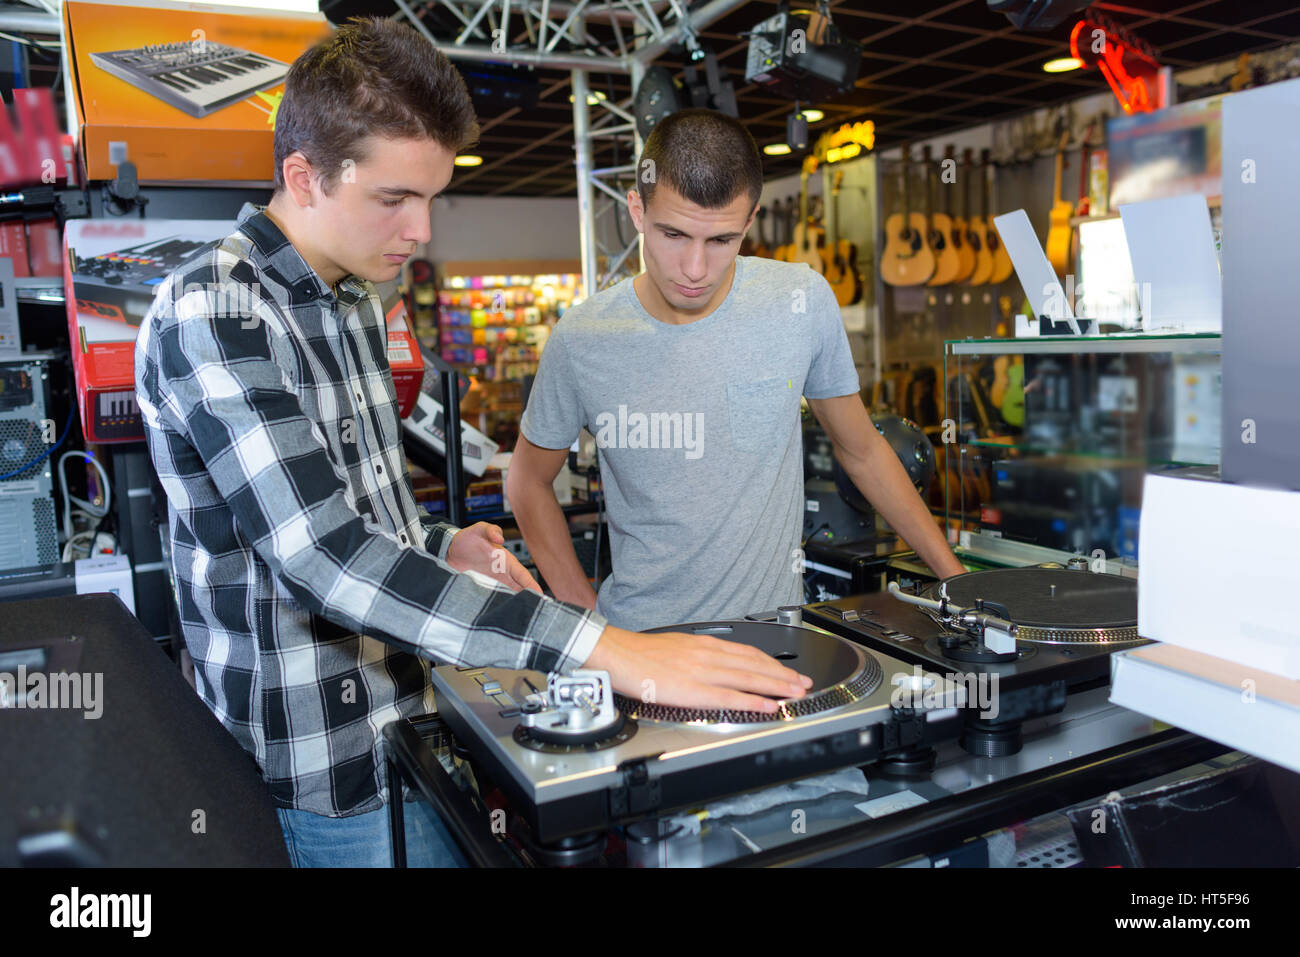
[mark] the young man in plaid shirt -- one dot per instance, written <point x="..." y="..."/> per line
<point x="312" y="589"/>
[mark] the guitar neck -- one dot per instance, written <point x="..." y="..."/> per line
<point x="984" y="185"/>
<point x="965" y="193"/>
<point x="929" y="184"/>
<point x="803" y="206"/>
<point x="903" y="171"/>
<point x="947" y="195"/>
<point x="834" y="232"/>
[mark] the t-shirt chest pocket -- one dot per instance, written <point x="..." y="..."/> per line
<point x="762" y="412"/>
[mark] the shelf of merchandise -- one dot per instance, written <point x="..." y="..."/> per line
<point x="492" y="320"/>
<point x="1065" y="477"/>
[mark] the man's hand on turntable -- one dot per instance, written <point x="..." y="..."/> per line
<point x="694" y="671"/>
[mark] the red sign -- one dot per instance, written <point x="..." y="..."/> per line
<point x="1132" y="72"/>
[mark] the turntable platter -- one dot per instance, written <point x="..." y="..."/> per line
<point x="841" y="672"/>
<point x="1054" y="605"/>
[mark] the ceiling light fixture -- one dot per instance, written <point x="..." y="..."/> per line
<point x="1062" y="64"/>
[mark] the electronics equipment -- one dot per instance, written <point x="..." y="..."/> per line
<point x="796" y="131"/>
<point x="1056" y="502"/>
<point x="120" y="285"/>
<point x="834" y="509"/>
<point x="111" y="270"/>
<point x="1024" y="636"/>
<point x="712" y="92"/>
<point x="424" y="438"/>
<point x="575" y="758"/>
<point x="800" y="55"/>
<point x="1037" y="15"/>
<point x="658" y="95"/>
<point x="495" y="88"/>
<point x="827" y="517"/>
<point x="123" y="789"/>
<point x="198" y="77"/>
<point x="26" y="476"/>
<point x="836" y="569"/>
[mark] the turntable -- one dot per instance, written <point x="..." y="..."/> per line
<point x="1019" y="639"/>
<point x="575" y="758"/>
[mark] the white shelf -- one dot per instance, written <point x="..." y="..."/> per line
<point x="1248" y="709"/>
<point x="1191" y="342"/>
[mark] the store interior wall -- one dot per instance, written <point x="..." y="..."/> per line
<point x="502" y="227"/>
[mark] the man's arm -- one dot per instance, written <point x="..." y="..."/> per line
<point x="876" y="471"/>
<point x="546" y="532"/>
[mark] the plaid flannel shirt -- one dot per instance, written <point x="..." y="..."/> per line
<point x="311" y="587"/>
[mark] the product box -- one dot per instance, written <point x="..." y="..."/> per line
<point x="13" y="246"/>
<point x="110" y="574"/>
<point x="185" y="92"/>
<point x="404" y="358"/>
<point x="114" y="268"/>
<point x="427" y="426"/>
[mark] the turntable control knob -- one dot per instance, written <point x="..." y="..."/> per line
<point x="1077" y="564"/>
<point x="789" y="615"/>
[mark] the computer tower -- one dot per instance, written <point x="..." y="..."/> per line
<point x="27" y="433"/>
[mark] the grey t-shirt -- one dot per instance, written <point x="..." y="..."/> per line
<point x="698" y="433"/>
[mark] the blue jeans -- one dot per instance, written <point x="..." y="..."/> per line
<point x="363" y="840"/>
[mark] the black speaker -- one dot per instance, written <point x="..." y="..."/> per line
<point x="111" y="759"/>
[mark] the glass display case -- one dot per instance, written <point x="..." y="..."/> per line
<point x="1046" y="439"/>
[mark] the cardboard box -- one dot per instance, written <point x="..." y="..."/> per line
<point x="104" y="314"/>
<point x="44" y="248"/>
<point x="427" y="426"/>
<point x="110" y="574"/>
<point x="180" y="128"/>
<point x="404" y="358"/>
<point x="1216" y="571"/>
<point x="13" y="245"/>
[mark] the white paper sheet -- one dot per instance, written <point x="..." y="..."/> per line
<point x="1175" y="264"/>
<point x="1217" y="571"/>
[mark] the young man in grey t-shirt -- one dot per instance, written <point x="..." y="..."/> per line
<point x="689" y="376"/>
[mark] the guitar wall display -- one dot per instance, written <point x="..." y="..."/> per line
<point x="957" y="235"/>
<point x="907" y="259"/>
<point x="839" y="256"/>
<point x="782" y="214"/>
<point x="947" y="261"/>
<point x="977" y="229"/>
<point x="1001" y="269"/>
<point x="1058" y="235"/>
<point x="809" y="236"/>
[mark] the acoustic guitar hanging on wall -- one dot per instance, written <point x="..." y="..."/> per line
<point x="906" y="259"/>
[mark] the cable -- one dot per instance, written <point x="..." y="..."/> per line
<point x="40" y="44"/>
<point x="87" y="510"/>
<point x="43" y="456"/>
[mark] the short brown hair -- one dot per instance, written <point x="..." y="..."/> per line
<point x="370" y="77"/>
<point x="706" y="156"/>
